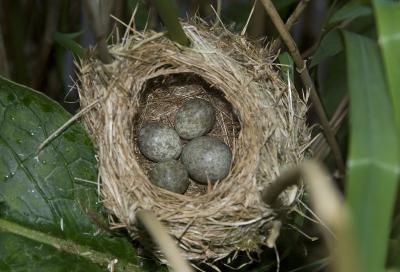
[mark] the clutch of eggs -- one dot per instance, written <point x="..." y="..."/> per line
<point x="205" y="159"/>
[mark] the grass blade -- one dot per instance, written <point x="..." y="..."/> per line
<point x="351" y="10"/>
<point x="287" y="67"/>
<point x="387" y="14"/>
<point x="66" y="40"/>
<point x="330" y="46"/>
<point x="168" y="12"/>
<point x="373" y="159"/>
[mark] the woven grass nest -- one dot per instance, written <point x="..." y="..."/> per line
<point x="258" y="116"/>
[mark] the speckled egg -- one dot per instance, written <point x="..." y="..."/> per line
<point x="170" y="175"/>
<point x="195" y="118"/>
<point x="206" y="158"/>
<point x="159" y="143"/>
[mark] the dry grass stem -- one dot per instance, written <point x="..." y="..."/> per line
<point x="66" y="125"/>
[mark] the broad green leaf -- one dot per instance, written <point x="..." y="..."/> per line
<point x="332" y="81"/>
<point x="331" y="45"/>
<point x="23" y="254"/>
<point x="387" y="14"/>
<point x="66" y="40"/>
<point x="48" y="203"/>
<point x="350" y="10"/>
<point x="373" y="159"/>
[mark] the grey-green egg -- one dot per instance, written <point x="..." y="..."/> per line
<point x="170" y="175"/>
<point x="158" y="142"/>
<point x="206" y="158"/>
<point x="195" y="118"/>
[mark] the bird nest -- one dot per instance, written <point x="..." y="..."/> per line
<point x="258" y="116"/>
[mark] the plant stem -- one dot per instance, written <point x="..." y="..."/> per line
<point x="319" y="146"/>
<point x="296" y="13"/>
<point x="168" y="12"/>
<point x="307" y="81"/>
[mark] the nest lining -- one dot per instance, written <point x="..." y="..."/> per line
<point x="229" y="216"/>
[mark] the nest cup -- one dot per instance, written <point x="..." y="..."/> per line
<point x="258" y="116"/>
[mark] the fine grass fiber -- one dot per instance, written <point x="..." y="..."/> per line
<point x="258" y="115"/>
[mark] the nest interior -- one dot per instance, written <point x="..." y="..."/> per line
<point x="258" y="116"/>
<point x="162" y="98"/>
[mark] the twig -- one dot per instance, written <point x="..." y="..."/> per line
<point x="66" y="125"/>
<point x="319" y="146"/>
<point x="4" y="70"/>
<point x="296" y="13"/>
<point x="290" y="22"/>
<point x="307" y="81"/>
<point x="163" y="240"/>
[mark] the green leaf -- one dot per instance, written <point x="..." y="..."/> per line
<point x="142" y="12"/>
<point x="373" y="160"/>
<point x="350" y="10"/>
<point x="45" y="207"/>
<point x="168" y="12"/>
<point x="388" y="22"/>
<point x="287" y="67"/>
<point x="332" y="81"/>
<point x="66" y="40"/>
<point x="331" y="45"/>
<point x="393" y="256"/>
<point x="394" y="243"/>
